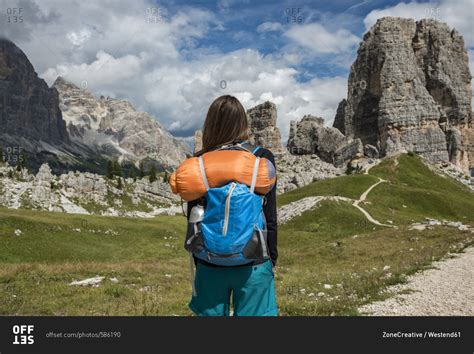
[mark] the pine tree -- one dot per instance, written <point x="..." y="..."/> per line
<point x="119" y="182"/>
<point x="110" y="172"/>
<point x="132" y="175"/>
<point x="19" y="163"/>
<point x="152" y="174"/>
<point x="117" y="168"/>
<point x="141" y="172"/>
<point x="1" y="155"/>
<point x="166" y="177"/>
<point x="23" y="160"/>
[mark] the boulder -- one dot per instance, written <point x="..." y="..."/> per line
<point x="310" y="136"/>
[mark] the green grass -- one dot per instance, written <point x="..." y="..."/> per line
<point x="332" y="244"/>
<point x="351" y="186"/>
<point x="415" y="192"/>
<point x="37" y="266"/>
<point x="342" y="248"/>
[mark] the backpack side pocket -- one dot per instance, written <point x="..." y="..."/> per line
<point x="256" y="248"/>
<point x="194" y="241"/>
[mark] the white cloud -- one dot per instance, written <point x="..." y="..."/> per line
<point x="270" y="27"/>
<point x="115" y="50"/>
<point x="458" y="14"/>
<point x="321" y="41"/>
<point x="79" y="38"/>
<point x="103" y="71"/>
<point x="186" y="92"/>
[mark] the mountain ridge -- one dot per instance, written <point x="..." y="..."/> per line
<point x="37" y="124"/>
<point x="115" y="126"/>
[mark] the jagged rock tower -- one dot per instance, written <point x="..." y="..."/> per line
<point x="409" y="89"/>
<point x="263" y="126"/>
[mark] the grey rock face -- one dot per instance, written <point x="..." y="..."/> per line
<point x="263" y="126"/>
<point x="409" y="86"/>
<point x="29" y="108"/>
<point x="31" y="122"/>
<point x="371" y="151"/>
<point x="353" y="149"/>
<point x="197" y="140"/>
<point x="310" y="136"/>
<point x="114" y="127"/>
<point x="295" y="171"/>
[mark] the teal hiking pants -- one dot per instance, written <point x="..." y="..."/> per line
<point x="252" y="289"/>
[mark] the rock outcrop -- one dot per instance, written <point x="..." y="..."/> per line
<point x="263" y="126"/>
<point x="84" y="193"/>
<point x="310" y="136"/>
<point x="29" y="108"/>
<point x="31" y="123"/>
<point x="295" y="171"/>
<point x="115" y="128"/>
<point x="409" y="89"/>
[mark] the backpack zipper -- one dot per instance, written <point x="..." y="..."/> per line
<point x="227" y="209"/>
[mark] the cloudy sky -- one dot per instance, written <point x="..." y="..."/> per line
<point x="172" y="58"/>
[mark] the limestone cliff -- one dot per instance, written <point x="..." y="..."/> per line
<point x="409" y="89"/>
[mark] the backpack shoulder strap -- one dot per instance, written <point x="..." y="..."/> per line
<point x="203" y="172"/>
<point x="254" y="174"/>
<point x="244" y="145"/>
<point x="250" y="148"/>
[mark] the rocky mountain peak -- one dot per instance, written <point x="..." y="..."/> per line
<point x="62" y="84"/>
<point x="409" y="89"/>
<point x="114" y="127"/>
<point x="29" y="108"/>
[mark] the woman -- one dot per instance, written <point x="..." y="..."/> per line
<point x="250" y="286"/>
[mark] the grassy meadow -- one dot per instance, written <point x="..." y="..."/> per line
<point x="332" y="260"/>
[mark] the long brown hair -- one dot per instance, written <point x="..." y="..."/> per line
<point x="226" y="122"/>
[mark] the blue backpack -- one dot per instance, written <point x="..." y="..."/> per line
<point x="228" y="226"/>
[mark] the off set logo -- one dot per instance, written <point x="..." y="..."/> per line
<point x="23" y="334"/>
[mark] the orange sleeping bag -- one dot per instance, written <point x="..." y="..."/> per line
<point x="221" y="167"/>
